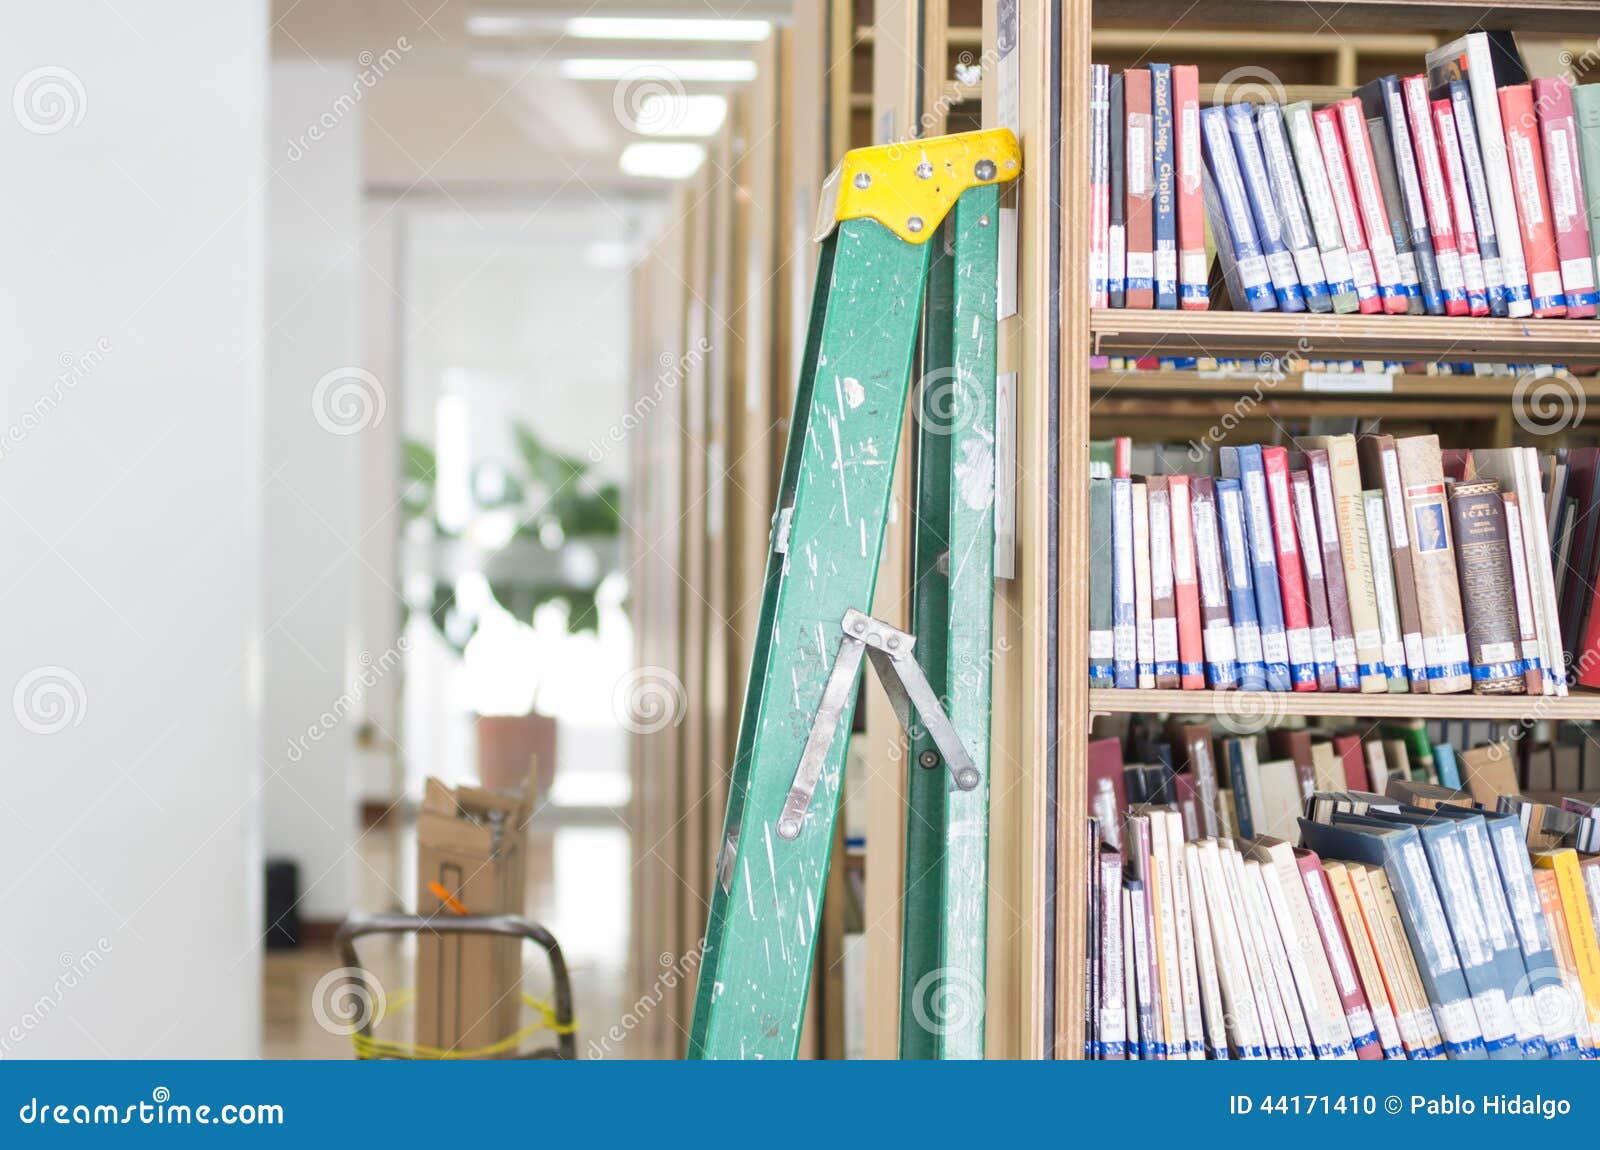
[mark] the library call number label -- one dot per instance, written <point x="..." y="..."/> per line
<point x="1421" y="1105"/>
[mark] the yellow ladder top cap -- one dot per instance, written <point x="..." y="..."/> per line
<point x="909" y="187"/>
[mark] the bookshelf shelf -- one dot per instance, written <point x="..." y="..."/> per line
<point x="1260" y="706"/>
<point x="1527" y="16"/>
<point x="1413" y="389"/>
<point x="1221" y="333"/>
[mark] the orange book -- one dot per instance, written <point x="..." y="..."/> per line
<point x="1525" y="155"/>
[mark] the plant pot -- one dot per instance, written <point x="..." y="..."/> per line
<point x="512" y="746"/>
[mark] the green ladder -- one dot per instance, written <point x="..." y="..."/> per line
<point x="879" y="210"/>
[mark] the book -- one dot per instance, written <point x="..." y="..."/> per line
<point x="1429" y="1042"/>
<point x="1394" y="651"/>
<point x="1291" y="573"/>
<point x="1102" y="549"/>
<point x="1369" y="199"/>
<point x="1111" y="1018"/>
<point x="1286" y="195"/>
<point x="1362" y="948"/>
<point x="1471" y="60"/>
<point x="1518" y="473"/>
<point x="1573" y="1002"/>
<point x="1433" y="564"/>
<point x="1455" y="178"/>
<point x="1333" y="568"/>
<point x="1199" y="760"/>
<point x="1569" y="210"/>
<point x="1316" y="583"/>
<point x="1386" y="963"/>
<point x="1580" y="926"/>
<point x="1124" y="605"/>
<point x="1324" y="216"/>
<point x="1166" y="201"/>
<point x="1395" y="159"/>
<point x="1296" y="1031"/>
<point x="1435" y="195"/>
<point x="1532" y="659"/>
<point x="1263" y="211"/>
<point x="1193" y="293"/>
<point x="1143" y="591"/>
<point x="1107" y="785"/>
<point x="1186" y="586"/>
<point x="1222" y="666"/>
<point x="1208" y="956"/>
<point x="1117" y="209"/>
<point x="1241" y="591"/>
<point x="1488" y="598"/>
<point x="1363" y="269"/>
<point x="1583" y="482"/>
<point x="1244" y="783"/>
<point x="1139" y="178"/>
<point x="1246" y="1026"/>
<point x="1099" y="183"/>
<point x="1356" y="555"/>
<point x="1245" y="464"/>
<point x="1477" y="195"/>
<point x="1235" y="229"/>
<point x="1163" y="600"/>
<point x="1380" y="469"/>
<point x="1352" y="758"/>
<point x="1184" y="933"/>
<point x="1526" y="157"/>
<point x="1586" y="115"/>
<point x="1341" y="960"/>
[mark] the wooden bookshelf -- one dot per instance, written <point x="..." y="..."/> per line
<point x="1358" y="16"/>
<point x="1399" y="386"/>
<point x="1264" y="705"/>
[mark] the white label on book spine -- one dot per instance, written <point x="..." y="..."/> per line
<point x="1160" y="549"/>
<point x="1281" y="265"/>
<point x="1577" y="275"/>
<point x="1499" y="652"/>
<point x="1367" y="640"/>
<point x="1117" y="250"/>
<point x="1140" y="159"/>
<point x="1193" y="269"/>
<point x="1247" y="636"/>
<point x="1412" y="641"/>
<point x="1189" y="146"/>
<point x="1344" y="652"/>
<point x="1322" y="643"/>
<point x="1260" y="524"/>
<point x="1275" y="647"/>
<point x="1546" y="283"/>
<point x="1361" y="262"/>
<point x="1558" y="166"/>
<point x="1458" y="1024"/>
<point x="1141" y="265"/>
<point x="1494" y="1015"/>
<point x="1343" y="973"/>
<point x="1398" y="538"/>
<point x="1407" y="262"/>
<point x="1100" y="644"/>
<point x="1447" y="650"/>
<point x="1305" y="518"/>
<point x="1528" y="205"/>
<point x="1492" y="275"/>
<point x="1238" y="557"/>
<point x="1253" y="271"/>
<point x="1450" y="272"/>
<point x="1336" y="265"/>
<point x="1219" y="642"/>
<point x="1300" y="649"/>
<point x="1166" y="264"/>
<point x="1283" y="524"/>
<point x="1124" y="650"/>
<point x="1166" y="636"/>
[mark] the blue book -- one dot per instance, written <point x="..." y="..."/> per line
<point x="1239" y="782"/>
<point x="1444" y="761"/>
<point x="1241" y="595"/>
<point x="1124" y="623"/>
<point x="1263" y="212"/>
<point x="1244" y="464"/>
<point x="1399" y="851"/>
<point x="1166" y="205"/>
<point x="1254" y="278"/>
<point x="1478" y="195"/>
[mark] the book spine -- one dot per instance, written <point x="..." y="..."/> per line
<point x="1297" y="1030"/>
<point x="1444" y="123"/>
<point x="1478" y="194"/>
<point x="1130" y="988"/>
<point x="1430" y="1042"/>
<point x="1264" y="568"/>
<point x="1580" y="928"/>
<point x="1099" y="184"/>
<point x="1133" y="906"/>
<point x="1258" y="191"/>
<point x="1124" y="623"/>
<point x="1186" y="586"/>
<point x="1166" y="205"/>
<point x="1255" y="280"/>
<point x="1394" y="648"/>
<point x="1291" y="571"/>
<point x="1243" y="1021"/>
<point x="1532" y="656"/>
<point x="1433" y="565"/>
<point x="1193" y="293"/>
<point x="1522" y="898"/>
<point x="1435" y="196"/>
<point x="1413" y="221"/>
<point x="1366" y="961"/>
<point x="1488" y="598"/>
<point x="1239" y="784"/>
<point x="1497" y="174"/>
<point x="1241" y="593"/>
<point x="1214" y="1011"/>
<point x="1569" y="212"/>
<point x="1344" y="640"/>
<point x="1101" y="591"/>
<point x="1357" y="551"/>
<point x="1382" y="467"/>
<point x="1222" y="663"/>
<point x="1324" y="217"/>
<point x="1448" y="861"/>
<point x="1297" y="236"/>
<point x="1411" y="281"/>
<point x="1369" y="198"/>
<point x="1362" y="268"/>
<point x="1502" y="936"/>
<point x="1586" y="116"/>
<point x="1117" y="231"/>
<point x="1169" y="967"/>
<point x="1182" y="915"/>
<point x="1163" y="602"/>
<point x="1412" y="881"/>
<point x="1541" y="578"/>
<point x="1139" y="177"/>
<point x="1143" y="603"/>
<point x="1526" y="158"/>
<point x="1305" y="522"/>
<point x="1112" y="1041"/>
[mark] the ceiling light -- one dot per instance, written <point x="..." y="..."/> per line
<point x="666" y="113"/>
<point x="662" y="161"/>
<point x="511" y="23"/>
<point x="681" y="71"/>
<point x="656" y="28"/>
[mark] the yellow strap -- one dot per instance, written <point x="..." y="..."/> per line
<point x="371" y="1048"/>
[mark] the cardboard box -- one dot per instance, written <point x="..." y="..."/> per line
<point x="471" y="842"/>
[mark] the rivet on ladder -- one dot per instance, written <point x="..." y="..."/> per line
<point x="984" y="170"/>
<point x="863" y="181"/>
<point x="914" y="224"/>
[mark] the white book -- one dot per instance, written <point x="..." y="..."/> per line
<point x="1394" y="647"/>
<point x="1543" y="580"/>
<point x="1243" y="1017"/>
<point x="1130" y="973"/>
<point x="1182" y="912"/>
<point x="1274" y="1025"/>
<point x="1308" y="961"/>
<point x="1320" y="207"/>
<point x="1509" y="466"/>
<point x="1144" y="623"/>
<point x="1278" y="961"/>
<point x="1169" y="969"/>
<point x="1214" y="1012"/>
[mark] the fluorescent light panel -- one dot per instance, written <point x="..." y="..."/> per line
<point x="682" y="71"/>
<point x="660" y="28"/>
<point x="675" y="114"/>
<point x="658" y="161"/>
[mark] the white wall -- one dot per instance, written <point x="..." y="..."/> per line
<point x="131" y="243"/>
<point x="323" y="401"/>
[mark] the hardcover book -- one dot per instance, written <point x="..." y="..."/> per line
<point x="1124" y="607"/>
<point x="1186" y="586"/>
<point x="1263" y="211"/>
<point x="1394" y="648"/>
<point x="1324" y="216"/>
<point x="1402" y="191"/>
<point x="1163" y="600"/>
<point x="1143" y="592"/>
<point x="1117" y="232"/>
<point x="1166" y="202"/>
<point x="1435" y="196"/>
<point x="1363" y="269"/>
<point x="1433" y="564"/>
<point x="1101" y="551"/>
<point x="1369" y="199"/>
<point x="1526" y="157"/>
<point x="1488" y="598"/>
<point x="1241" y="591"/>
<point x="1478" y="195"/>
<point x="1344" y="641"/>
<point x="1139" y="177"/>
<point x="1586" y="113"/>
<point x="1250" y="270"/>
<point x="1222" y="665"/>
<point x="1455" y="176"/>
<point x="1356" y="554"/>
<point x="1291" y="573"/>
<point x="1522" y="598"/>
<point x="1291" y="206"/>
<point x="1099" y="184"/>
<point x="1569" y="211"/>
<point x="1305" y="523"/>
<point x="1245" y="463"/>
<point x="1380" y="469"/>
<point x="1192" y="290"/>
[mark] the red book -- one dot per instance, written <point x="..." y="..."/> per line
<point x="1455" y="174"/>
<point x="1354" y="760"/>
<point x="1369" y="198"/>
<point x="1186" y="583"/>
<point x="1122" y="457"/>
<point x="1330" y="929"/>
<point x="1558" y="132"/>
<point x="1291" y="576"/>
<point x="1192" y="269"/>
<point x="1435" y="196"/>
<point x="1331" y="143"/>
<point x="1108" y="790"/>
<point x="1526" y="159"/>
<point x="1139" y="183"/>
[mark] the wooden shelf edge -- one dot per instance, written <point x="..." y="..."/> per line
<point x="1401" y="385"/>
<point x="1256" y="709"/>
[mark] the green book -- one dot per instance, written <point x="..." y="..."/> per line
<point x="1419" y="751"/>
<point x="1100" y="554"/>
<point x="1102" y="458"/>
<point x="1586" y="108"/>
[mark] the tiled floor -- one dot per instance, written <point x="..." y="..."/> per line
<point x="578" y="887"/>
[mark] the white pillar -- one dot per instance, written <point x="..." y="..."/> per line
<point x="322" y="401"/>
<point x="131" y="304"/>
